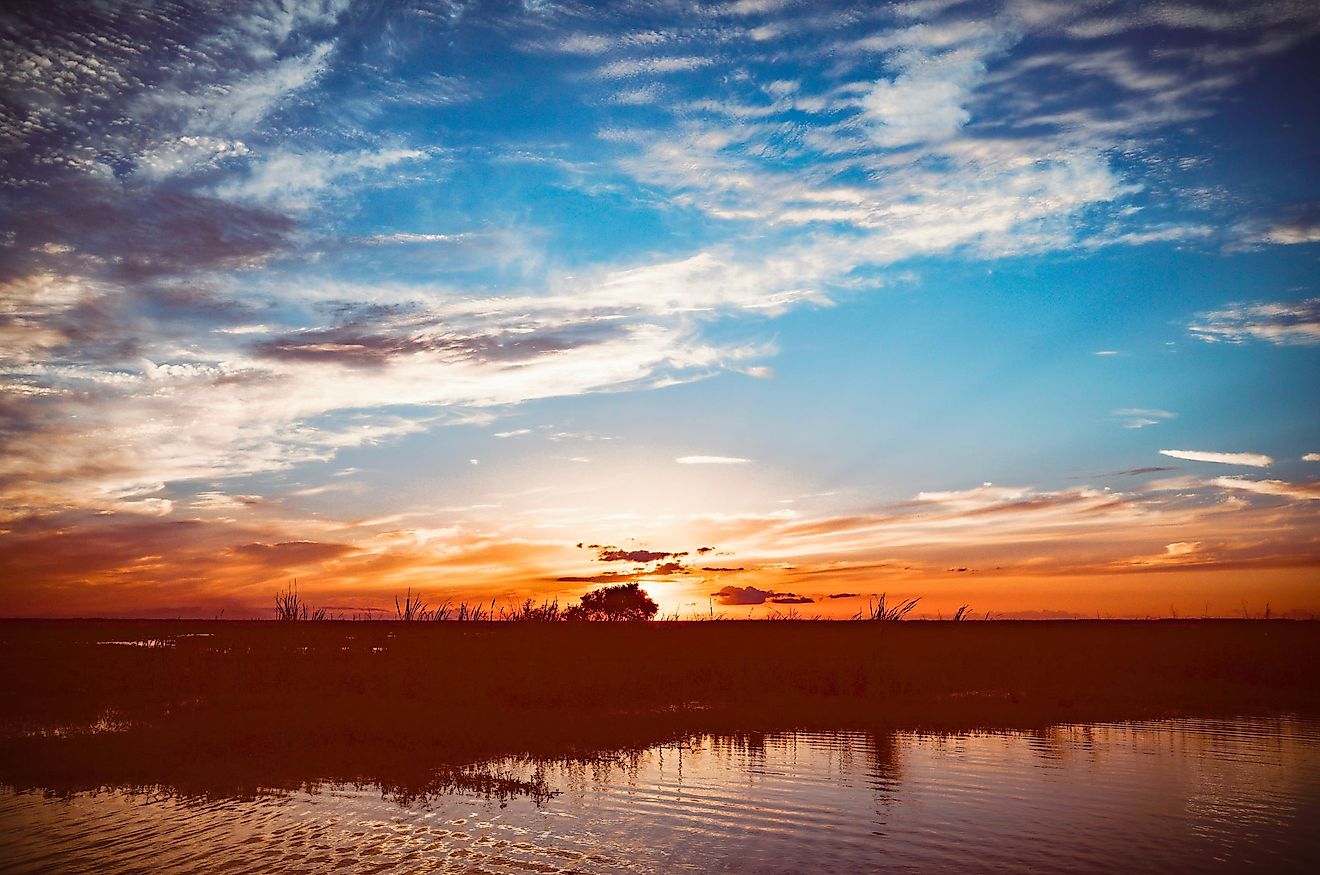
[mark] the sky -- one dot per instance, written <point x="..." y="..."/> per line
<point x="769" y="305"/>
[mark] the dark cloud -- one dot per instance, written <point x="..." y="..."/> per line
<point x="845" y="595"/>
<point x="86" y="563"/>
<point x="717" y="568"/>
<point x="286" y="553"/>
<point x="614" y="554"/>
<point x="741" y="595"/>
<point x="76" y="546"/>
<point x="603" y="577"/>
<point x="1134" y="472"/>
<point x="750" y="595"/>
<point x="92" y="228"/>
<point x="371" y="345"/>
<point x="90" y="87"/>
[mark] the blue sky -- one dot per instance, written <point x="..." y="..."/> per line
<point x="405" y="294"/>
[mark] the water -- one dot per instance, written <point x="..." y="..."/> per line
<point x="1161" y="796"/>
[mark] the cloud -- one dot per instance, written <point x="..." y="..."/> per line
<point x="1253" y="460"/>
<point x="1278" y="323"/>
<point x="94" y="229"/>
<point x="614" y="554"/>
<point x="711" y="460"/>
<point x="632" y="67"/>
<point x="239" y="104"/>
<point x="1304" y="491"/>
<point x="1142" y="417"/>
<point x="1311" y="457"/>
<point x="291" y="178"/>
<point x="1006" y="531"/>
<point x="290" y="553"/>
<point x="750" y="595"/>
<point x="927" y="99"/>
<point x="274" y="394"/>
<point x="1286" y="233"/>
<point x="1147" y="469"/>
<point x="222" y="501"/>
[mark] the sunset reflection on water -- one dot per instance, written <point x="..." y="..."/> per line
<point x="1187" y="795"/>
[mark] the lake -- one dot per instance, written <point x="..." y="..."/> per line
<point x="1177" y="795"/>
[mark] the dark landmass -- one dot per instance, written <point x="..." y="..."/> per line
<point x="241" y="707"/>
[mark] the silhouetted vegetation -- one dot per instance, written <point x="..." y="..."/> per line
<point x="477" y="612"/>
<point x="530" y="612"/>
<point x="234" y="704"/>
<point x="289" y="607"/>
<point x="625" y="602"/>
<point x="412" y="608"/>
<point x="878" y="609"/>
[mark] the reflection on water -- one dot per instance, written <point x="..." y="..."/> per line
<point x="1163" y="796"/>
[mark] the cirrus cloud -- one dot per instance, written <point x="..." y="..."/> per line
<point x="1251" y="460"/>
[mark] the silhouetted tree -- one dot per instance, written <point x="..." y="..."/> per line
<point x="626" y="601"/>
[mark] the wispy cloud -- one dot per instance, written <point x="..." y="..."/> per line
<point x="1285" y="233"/>
<point x="293" y="178"/>
<point x="1279" y="323"/>
<point x="632" y="67"/>
<point x="1141" y="417"/>
<point x="1305" y="491"/>
<point x="1251" y="460"/>
<point x="711" y="460"/>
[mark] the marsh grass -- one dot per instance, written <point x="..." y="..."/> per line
<point x="879" y="609"/>
<point x="476" y="612"/>
<point x="268" y="703"/>
<point x="529" y="611"/>
<point x="792" y="614"/>
<point x="289" y="607"/>
<point x="412" y="608"/>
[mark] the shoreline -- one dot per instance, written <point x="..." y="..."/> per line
<point x="238" y="706"/>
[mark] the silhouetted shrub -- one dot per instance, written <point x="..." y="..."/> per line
<point x="626" y="601"/>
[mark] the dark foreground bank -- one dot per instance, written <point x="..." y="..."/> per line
<point x="236" y="706"/>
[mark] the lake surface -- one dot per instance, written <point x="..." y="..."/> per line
<point x="1190" y="795"/>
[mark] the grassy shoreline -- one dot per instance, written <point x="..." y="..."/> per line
<point x="232" y="704"/>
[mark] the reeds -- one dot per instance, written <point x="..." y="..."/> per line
<point x="530" y="612"/>
<point x="412" y="608"/>
<point x="475" y="612"/>
<point x="289" y="607"/>
<point x="878" y="609"/>
<point x="790" y="614"/>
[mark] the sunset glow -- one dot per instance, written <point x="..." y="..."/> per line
<point x="770" y="306"/>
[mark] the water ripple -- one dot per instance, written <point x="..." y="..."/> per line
<point x="1188" y="795"/>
